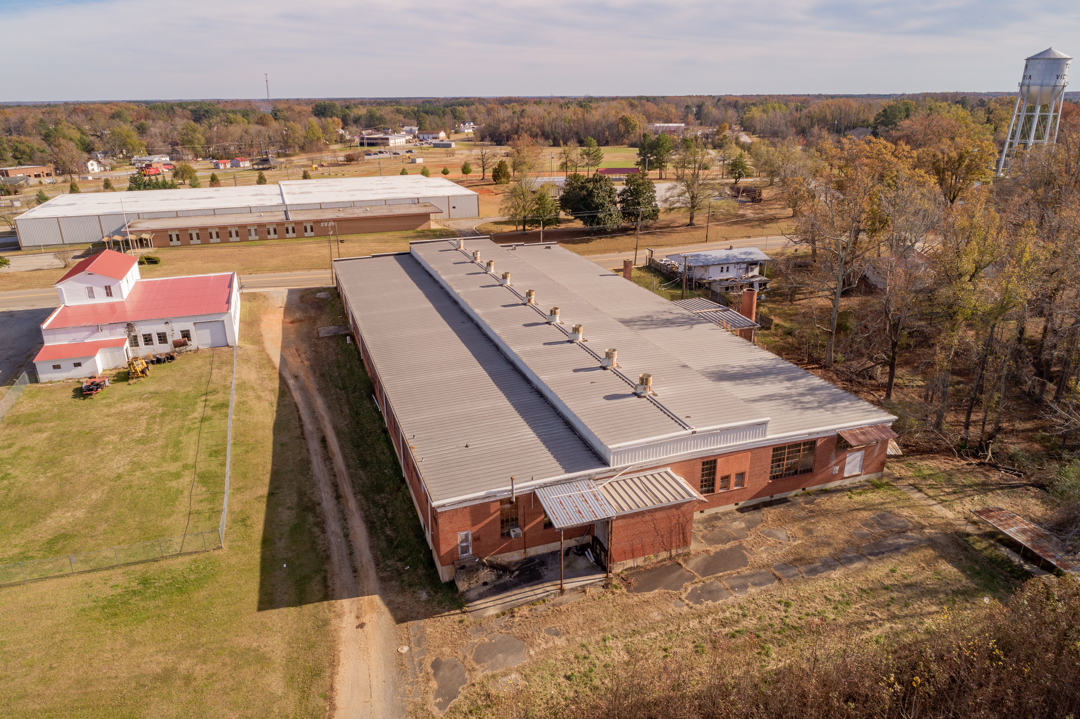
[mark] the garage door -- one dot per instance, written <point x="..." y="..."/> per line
<point x="211" y="334"/>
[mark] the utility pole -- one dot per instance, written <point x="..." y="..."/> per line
<point x="683" y="277"/>
<point x="708" y="221"/>
<point x="637" y="236"/>
<point x="267" y="77"/>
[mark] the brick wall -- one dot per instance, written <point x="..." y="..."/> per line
<point x="756" y="463"/>
<point x="359" y="225"/>
<point x="658" y="532"/>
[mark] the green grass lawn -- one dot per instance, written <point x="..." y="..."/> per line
<point x="138" y="462"/>
<point x="239" y="632"/>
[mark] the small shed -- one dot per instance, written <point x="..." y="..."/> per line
<point x="240" y="162"/>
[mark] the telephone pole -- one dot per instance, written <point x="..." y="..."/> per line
<point x="266" y="76"/>
<point x="637" y="236"/>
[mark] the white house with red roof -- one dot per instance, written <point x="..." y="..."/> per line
<point x="241" y="162"/>
<point x="109" y="313"/>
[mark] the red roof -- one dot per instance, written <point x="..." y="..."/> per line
<point x="618" y="170"/>
<point x="108" y="263"/>
<point x="242" y="159"/>
<point x="153" y="300"/>
<point x="73" y="350"/>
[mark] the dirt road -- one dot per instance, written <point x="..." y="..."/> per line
<point x="367" y="678"/>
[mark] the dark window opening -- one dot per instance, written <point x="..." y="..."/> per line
<point x="133" y="341"/>
<point x="725" y="482"/>
<point x="162" y="338"/>
<point x="708" y="476"/>
<point x="185" y="334"/>
<point x="147" y="340"/>
<point x="508" y="517"/>
<point x="842" y="445"/>
<point x="740" y="480"/>
<point x="792" y="459"/>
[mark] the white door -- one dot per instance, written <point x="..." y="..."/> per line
<point x="211" y="334"/>
<point x="464" y="544"/>
<point x="853" y="464"/>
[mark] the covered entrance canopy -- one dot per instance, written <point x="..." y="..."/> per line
<point x="862" y="436"/>
<point x="585" y="501"/>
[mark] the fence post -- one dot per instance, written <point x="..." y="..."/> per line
<point x="22" y="569"/>
<point x="116" y="556"/>
<point x="161" y="550"/>
<point x="71" y="561"/>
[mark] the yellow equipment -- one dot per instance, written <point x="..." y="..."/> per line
<point x="137" y="368"/>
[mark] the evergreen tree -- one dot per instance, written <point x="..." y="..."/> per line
<point x="42" y="197"/>
<point x="592" y="200"/>
<point x="466" y="169"/>
<point x="306" y="175"/>
<point x="73" y="188"/>
<point x="107" y="185"/>
<point x="501" y="174"/>
<point x="637" y="199"/>
<point x="591" y="154"/>
<point x="403" y="171"/>
<point x="425" y="172"/>
<point x="215" y="181"/>
<point x="261" y="179"/>
<point x="445" y="171"/>
<point x="738" y="168"/>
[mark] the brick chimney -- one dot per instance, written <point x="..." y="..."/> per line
<point x="748" y="309"/>
<point x="628" y="269"/>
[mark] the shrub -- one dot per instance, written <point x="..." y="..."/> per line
<point x="306" y="175"/>
<point x="215" y="181"/>
<point x="403" y="171"/>
<point x="501" y="174"/>
<point x="261" y="179"/>
<point x="445" y="171"/>
<point x="107" y="185"/>
<point x="425" y="172"/>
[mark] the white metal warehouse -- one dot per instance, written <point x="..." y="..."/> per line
<point x="88" y="217"/>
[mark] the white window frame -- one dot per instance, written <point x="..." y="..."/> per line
<point x="89" y="293"/>
<point x="253" y="233"/>
<point x="174" y="237"/>
<point x="215" y="235"/>
<point x="464" y="539"/>
<point x="193" y="237"/>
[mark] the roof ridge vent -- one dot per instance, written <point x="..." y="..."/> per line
<point x="609" y="359"/>
<point x="489" y="267"/>
<point x="553" y="316"/>
<point x="644" y="385"/>
<point x="530" y="297"/>
<point x="577" y="333"/>
<point x="505" y="281"/>
<point x="476" y="256"/>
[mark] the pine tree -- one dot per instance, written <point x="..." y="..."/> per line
<point x="261" y="179"/>
<point x="107" y="185"/>
<point x="501" y="174"/>
<point x="73" y="188"/>
<point x="42" y="197"/>
<point x="403" y="171"/>
<point x="425" y="172"/>
<point x="306" y="175"/>
<point x="445" y="171"/>
<point x="215" y="181"/>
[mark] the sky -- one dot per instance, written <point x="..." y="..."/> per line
<point x="82" y="50"/>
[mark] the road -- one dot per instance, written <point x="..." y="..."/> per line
<point x="40" y="298"/>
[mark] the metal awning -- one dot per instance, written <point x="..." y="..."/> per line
<point x="863" y="436"/>
<point x="573" y="504"/>
<point x="1031" y="537"/>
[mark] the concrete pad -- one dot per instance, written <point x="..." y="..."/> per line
<point x="334" y="330"/>
<point x="322" y="295"/>
<point x="26" y="263"/>
<point x="891" y="545"/>
<point x="779" y="534"/>
<point x="851" y="559"/>
<point x="741" y="583"/>
<point x="707" y="592"/>
<point x="886" y="522"/>
<point x="667" y="576"/>
<point x="723" y="560"/>
<point x="500" y="652"/>
<point x="826" y="564"/>
<point x="786" y="571"/>
<point x="449" y="679"/>
<point x="553" y="632"/>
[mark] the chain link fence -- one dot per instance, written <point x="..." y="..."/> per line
<point x="190" y="543"/>
<point x="8" y="400"/>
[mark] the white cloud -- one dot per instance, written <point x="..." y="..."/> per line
<point x="123" y="49"/>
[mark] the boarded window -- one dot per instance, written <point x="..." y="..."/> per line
<point x="508" y="517"/>
<point x="792" y="459"/>
<point x="90" y="292"/>
<point x="725" y="482"/>
<point x="740" y="480"/>
<point x="708" y="476"/>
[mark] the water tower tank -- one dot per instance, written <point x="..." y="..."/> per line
<point x="1038" y="103"/>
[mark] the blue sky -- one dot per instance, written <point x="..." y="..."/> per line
<point x="166" y="49"/>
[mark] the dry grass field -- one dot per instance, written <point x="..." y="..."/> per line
<point x="239" y="632"/>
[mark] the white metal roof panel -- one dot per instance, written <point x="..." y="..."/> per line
<point x="721" y="257"/>
<point x="650" y="490"/>
<point x="796" y="401"/>
<point x="469" y="415"/>
<point x="572" y="504"/>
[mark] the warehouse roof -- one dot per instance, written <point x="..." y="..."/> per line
<point x="108" y="264"/>
<point x="153" y="300"/>
<point x="75" y="350"/>
<point x="287" y="193"/>
<point x="336" y="213"/>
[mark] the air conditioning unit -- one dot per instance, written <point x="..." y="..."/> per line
<point x="515" y="533"/>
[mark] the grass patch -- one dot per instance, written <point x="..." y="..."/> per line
<point x="655" y="282"/>
<point x="123" y="467"/>
<point x="185" y="636"/>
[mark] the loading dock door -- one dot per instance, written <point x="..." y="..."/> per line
<point x="211" y="334"/>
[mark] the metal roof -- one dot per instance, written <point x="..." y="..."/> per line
<point x="601" y="404"/>
<point x="470" y="417"/>
<point x="75" y="350"/>
<point x="868" y="435"/>
<point x="716" y="313"/>
<point x="721" y="257"/>
<point x="697" y="304"/>
<point x="1050" y="54"/>
<point x="796" y="401"/>
<point x="584" y="501"/>
<point x="650" y="490"/>
<point x="107" y="263"/>
<point x="294" y="192"/>
<point x="572" y="504"/>
<point x="1032" y="537"/>
<point x="153" y="300"/>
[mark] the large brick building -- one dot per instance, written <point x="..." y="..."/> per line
<point x="534" y="398"/>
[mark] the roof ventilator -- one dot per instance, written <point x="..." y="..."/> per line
<point x="644" y="385"/>
<point x="577" y="333"/>
<point x="609" y="360"/>
<point x="530" y="297"/>
<point x="505" y="281"/>
<point x="489" y="267"/>
<point x="553" y="316"/>
<point x="476" y="256"/>
<point x="460" y="244"/>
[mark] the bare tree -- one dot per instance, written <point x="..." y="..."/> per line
<point x="694" y="189"/>
<point x="487" y="157"/>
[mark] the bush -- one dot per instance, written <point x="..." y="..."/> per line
<point x="42" y="197"/>
<point x="215" y="181"/>
<point x="261" y="179"/>
<point x="350" y="158"/>
<point x="107" y="185"/>
<point x="501" y="174"/>
<point x="445" y="171"/>
<point x="73" y="188"/>
<point x="425" y="172"/>
<point x="403" y="171"/>
<point x="306" y="175"/>
<point x="149" y="260"/>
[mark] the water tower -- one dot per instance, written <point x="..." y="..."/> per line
<point x="1038" y="104"/>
